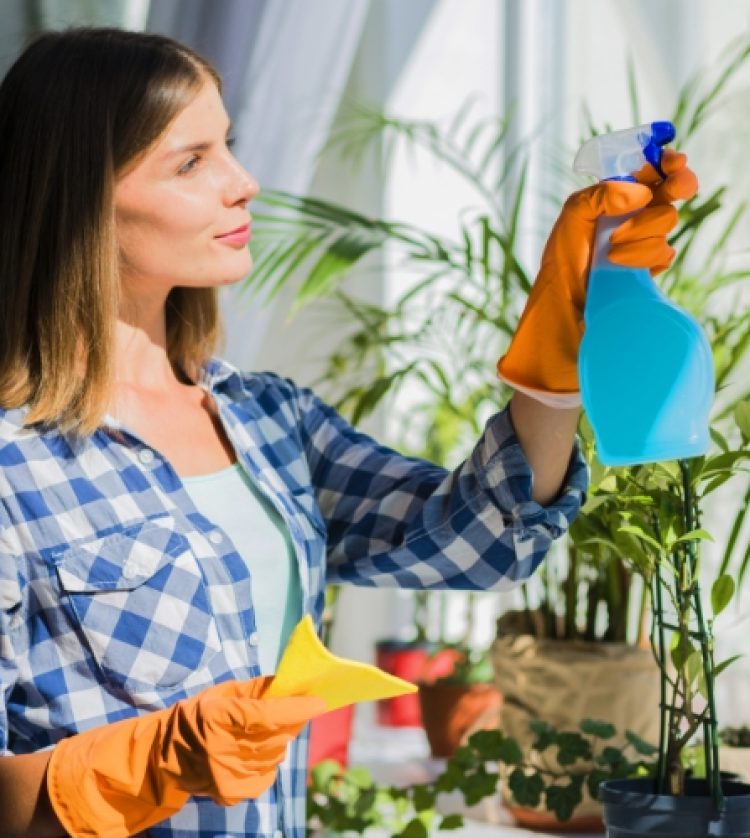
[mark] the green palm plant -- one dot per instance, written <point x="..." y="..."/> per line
<point x="458" y="309"/>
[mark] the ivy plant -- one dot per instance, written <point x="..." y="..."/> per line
<point x="351" y="801"/>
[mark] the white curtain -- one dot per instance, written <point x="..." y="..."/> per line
<point x="293" y="87"/>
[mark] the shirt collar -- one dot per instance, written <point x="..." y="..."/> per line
<point x="213" y="373"/>
<point x="216" y="371"/>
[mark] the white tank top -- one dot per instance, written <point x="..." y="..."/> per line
<point x="229" y="499"/>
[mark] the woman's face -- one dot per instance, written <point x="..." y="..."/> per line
<point x="172" y="208"/>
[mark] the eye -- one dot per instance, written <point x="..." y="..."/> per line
<point x="190" y="165"/>
<point x="230" y="141"/>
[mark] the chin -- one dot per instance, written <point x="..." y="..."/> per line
<point x="236" y="273"/>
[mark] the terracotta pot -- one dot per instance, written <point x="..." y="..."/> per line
<point x="330" y="735"/>
<point x="449" y="710"/>
<point x="413" y="662"/>
<point x="536" y="819"/>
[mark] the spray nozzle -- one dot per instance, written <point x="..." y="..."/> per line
<point x="620" y="154"/>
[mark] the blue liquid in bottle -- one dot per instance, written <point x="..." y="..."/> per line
<point x="646" y="370"/>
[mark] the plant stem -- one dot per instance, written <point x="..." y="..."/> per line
<point x="711" y="744"/>
<point x="641" y="632"/>
<point x="659" y="646"/>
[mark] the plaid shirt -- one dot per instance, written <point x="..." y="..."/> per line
<point x="117" y="596"/>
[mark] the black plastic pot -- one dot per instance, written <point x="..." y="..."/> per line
<point x="632" y="809"/>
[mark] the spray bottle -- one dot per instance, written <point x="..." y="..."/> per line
<point x="645" y="365"/>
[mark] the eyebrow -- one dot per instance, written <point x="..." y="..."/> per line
<point x="202" y="146"/>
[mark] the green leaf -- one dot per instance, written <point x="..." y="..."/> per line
<point x="701" y="685"/>
<point x="608" y="484"/>
<point x="742" y="418"/>
<point x="714" y="484"/>
<point x="719" y="668"/>
<point x="360" y="776"/>
<point x="694" y="666"/>
<point x="339" y="256"/>
<point x="612" y="757"/>
<point x="694" y="535"/>
<point x="322" y="774"/>
<point x="572" y="748"/>
<point x="595" y="778"/>
<point x="365" y="801"/>
<point x="719" y="439"/>
<point x="423" y="798"/>
<point x="640" y="533"/>
<point x="510" y="752"/>
<point x="450" y="779"/>
<point x="680" y="650"/>
<point x="478" y="786"/>
<point x="539" y="726"/>
<point x="602" y="730"/>
<point x="545" y="735"/>
<point x="562" y="800"/>
<point x="451" y="822"/>
<point x="488" y="743"/>
<point x="414" y="829"/>
<point x="464" y="758"/>
<point x="722" y="592"/>
<point x="641" y="746"/>
<point x="526" y="789"/>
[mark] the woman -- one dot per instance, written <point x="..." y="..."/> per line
<point x="166" y="519"/>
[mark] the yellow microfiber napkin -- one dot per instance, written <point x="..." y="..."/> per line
<point x="308" y="668"/>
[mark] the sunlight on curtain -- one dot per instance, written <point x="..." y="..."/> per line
<point x="55" y="14"/>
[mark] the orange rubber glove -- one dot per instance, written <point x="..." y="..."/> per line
<point x="542" y="359"/>
<point x="226" y="742"/>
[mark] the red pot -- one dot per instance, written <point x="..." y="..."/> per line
<point x="330" y="735"/>
<point x="414" y="662"/>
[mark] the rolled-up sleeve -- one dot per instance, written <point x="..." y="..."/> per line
<point x="404" y="522"/>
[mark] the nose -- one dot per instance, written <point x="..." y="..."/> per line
<point x="243" y="187"/>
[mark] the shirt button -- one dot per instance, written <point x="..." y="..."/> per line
<point x="215" y="537"/>
<point x="146" y="456"/>
<point x="253" y="639"/>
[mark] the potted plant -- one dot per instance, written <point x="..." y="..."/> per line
<point x="463" y="699"/>
<point x="578" y="649"/>
<point x="683" y="639"/>
<point x="351" y="802"/>
<point x="418" y="659"/>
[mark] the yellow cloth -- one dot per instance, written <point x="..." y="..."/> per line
<point x="308" y="668"/>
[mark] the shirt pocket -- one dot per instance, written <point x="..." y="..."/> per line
<point x="140" y="601"/>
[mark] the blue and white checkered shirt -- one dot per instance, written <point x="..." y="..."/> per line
<point x="118" y="597"/>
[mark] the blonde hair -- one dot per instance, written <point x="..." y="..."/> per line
<point x="76" y="108"/>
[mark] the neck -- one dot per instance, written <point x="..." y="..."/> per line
<point x="141" y="361"/>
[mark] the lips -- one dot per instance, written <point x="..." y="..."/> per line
<point x="238" y="231"/>
<point x="240" y="235"/>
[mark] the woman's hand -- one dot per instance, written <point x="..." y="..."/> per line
<point x="226" y="742"/>
<point x="542" y="360"/>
